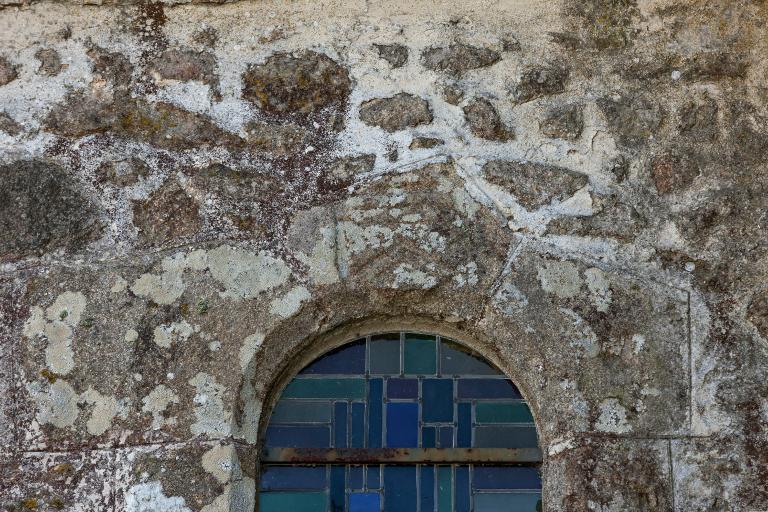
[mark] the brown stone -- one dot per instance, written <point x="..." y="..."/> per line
<point x="457" y="59"/>
<point x="168" y="214"/>
<point x="484" y="121"/>
<point x="396" y="112"/>
<point x="565" y="122"/>
<point x="534" y="185"/>
<point x="395" y="54"/>
<point x="8" y="71"/>
<point x="50" y="62"/>
<point x="540" y="81"/>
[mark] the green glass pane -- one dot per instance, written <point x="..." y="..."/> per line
<point x="444" y="489"/>
<point x="456" y="359"/>
<point x="522" y="502"/>
<point x="516" y="412"/>
<point x="293" y="501"/>
<point x="420" y="355"/>
<point x="325" y="388"/>
<point x="297" y="411"/>
<point x="385" y="354"/>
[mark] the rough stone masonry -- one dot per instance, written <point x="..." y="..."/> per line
<point x="193" y="194"/>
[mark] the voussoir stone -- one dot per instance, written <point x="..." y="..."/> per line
<point x="397" y="112"/>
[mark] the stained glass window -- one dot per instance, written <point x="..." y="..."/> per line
<point x="401" y="422"/>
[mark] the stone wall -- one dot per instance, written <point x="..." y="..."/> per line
<point x="195" y="196"/>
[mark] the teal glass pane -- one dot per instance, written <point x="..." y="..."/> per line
<point x="293" y="501"/>
<point x="494" y="502"/>
<point x="375" y="412"/>
<point x="297" y="411"/>
<point x="400" y="489"/>
<point x="384" y="356"/>
<point x="495" y="412"/>
<point x="445" y="489"/>
<point x="506" y="437"/>
<point x="506" y="478"/>
<point x="428" y="437"/>
<point x="325" y="388"/>
<point x="462" y="494"/>
<point x="427" y="488"/>
<point x="276" y="478"/>
<point x="420" y="355"/>
<point x="464" y="426"/>
<point x="340" y="425"/>
<point x="456" y="359"/>
<point x="357" y="430"/>
<point x="437" y="400"/>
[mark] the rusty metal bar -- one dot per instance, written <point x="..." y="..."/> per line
<point x="511" y="456"/>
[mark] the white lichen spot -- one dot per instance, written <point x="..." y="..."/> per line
<point x="131" y="335"/>
<point x="406" y="276"/>
<point x="244" y="274"/>
<point x="638" y="342"/>
<point x="466" y="275"/>
<point x="290" y="303"/>
<point x="599" y="288"/>
<point x="56" y="405"/>
<point x="251" y="345"/>
<point x="119" y="286"/>
<point x="156" y="402"/>
<point x="559" y="446"/>
<point x="105" y="408"/>
<point x="212" y="418"/>
<point x="162" y="289"/>
<point x="57" y="328"/>
<point x="613" y="417"/>
<point x="219" y="461"/>
<point x="165" y="335"/>
<point x="584" y="338"/>
<point x="356" y="239"/>
<point x="560" y="278"/>
<point x="149" y="497"/>
<point x="509" y="299"/>
<point x="67" y="308"/>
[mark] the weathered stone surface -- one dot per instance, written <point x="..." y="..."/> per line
<point x="699" y="120"/>
<point x="124" y="173"/>
<point x="457" y="59"/>
<point x="484" y="121"/>
<point x="757" y="313"/>
<point x="168" y="214"/>
<point x="453" y="94"/>
<point x="8" y="71"/>
<point x="395" y="54"/>
<point x="534" y="185"/>
<point x="603" y="24"/>
<point x="69" y="221"/>
<point x="633" y="119"/>
<point x="8" y="125"/>
<point x="301" y="85"/>
<point x="425" y="143"/>
<point x="672" y="172"/>
<point x="281" y="140"/>
<point x="565" y="122"/>
<point x="397" y="112"/>
<point x="50" y="62"/>
<point x="540" y="81"/>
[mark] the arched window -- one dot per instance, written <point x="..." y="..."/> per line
<point x="400" y="422"/>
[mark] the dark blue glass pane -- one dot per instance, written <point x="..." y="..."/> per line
<point x="298" y="411"/>
<point x="364" y="502"/>
<point x="400" y="489"/>
<point x="338" y="488"/>
<point x="506" y="477"/>
<point x="462" y="489"/>
<point x="428" y="437"/>
<point x="374" y="477"/>
<point x="487" y="388"/>
<point x="402" y="425"/>
<point x="464" y="428"/>
<point x="340" y="425"/>
<point x="293" y="477"/>
<point x="347" y="360"/>
<point x="402" y="388"/>
<point x="298" y="437"/>
<point x="375" y="413"/>
<point x="456" y="359"/>
<point x="356" y="477"/>
<point x="358" y="425"/>
<point x="505" y="437"/>
<point x="385" y="354"/>
<point x="494" y="502"/>
<point x="427" y="488"/>
<point x="446" y="437"/>
<point x="437" y="396"/>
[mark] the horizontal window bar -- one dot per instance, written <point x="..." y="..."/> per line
<point x="496" y="456"/>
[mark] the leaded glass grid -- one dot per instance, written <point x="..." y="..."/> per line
<point x="363" y="427"/>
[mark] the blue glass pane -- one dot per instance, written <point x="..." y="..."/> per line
<point x="456" y="359"/>
<point x="427" y="488"/>
<point x="400" y="489"/>
<point x="505" y="477"/>
<point x="505" y="501"/>
<point x="338" y="488"/>
<point x="373" y="477"/>
<point x="462" y="489"/>
<point x="420" y="355"/>
<point x="385" y="354"/>
<point x="428" y="437"/>
<point x="347" y="360"/>
<point x="446" y="437"/>
<point x="356" y="477"/>
<point x="375" y="413"/>
<point x="298" y="436"/>
<point x="340" y="425"/>
<point x="293" y="501"/>
<point x="297" y="411"/>
<point x="358" y="425"/>
<point x="464" y="427"/>
<point x="293" y="477"/>
<point x="437" y="396"/>
<point x="402" y="425"/>
<point x="402" y="388"/>
<point x="505" y="437"/>
<point x="364" y="502"/>
<point x="487" y="388"/>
